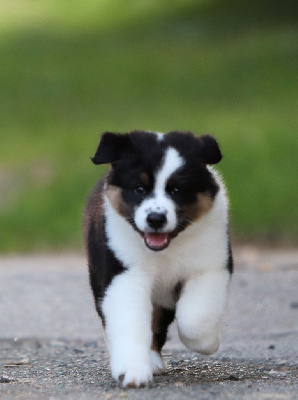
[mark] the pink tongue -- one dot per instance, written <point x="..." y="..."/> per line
<point x="156" y="239"/>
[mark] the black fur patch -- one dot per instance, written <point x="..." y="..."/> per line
<point x="161" y="319"/>
<point x="103" y="265"/>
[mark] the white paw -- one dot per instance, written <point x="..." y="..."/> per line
<point x="157" y="363"/>
<point x="133" y="374"/>
<point x="206" y="343"/>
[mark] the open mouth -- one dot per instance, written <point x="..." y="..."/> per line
<point x="157" y="241"/>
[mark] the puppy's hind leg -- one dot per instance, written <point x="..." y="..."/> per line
<point x="161" y="319"/>
<point x="200" y="310"/>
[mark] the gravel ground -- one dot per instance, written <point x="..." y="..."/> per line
<point x="51" y="345"/>
<point x="66" y="369"/>
<point x="61" y="369"/>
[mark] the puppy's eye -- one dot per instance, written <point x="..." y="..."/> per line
<point x="140" y="190"/>
<point x="175" y="190"/>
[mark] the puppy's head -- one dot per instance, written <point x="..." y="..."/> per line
<point x="159" y="183"/>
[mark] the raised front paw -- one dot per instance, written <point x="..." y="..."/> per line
<point x="133" y="375"/>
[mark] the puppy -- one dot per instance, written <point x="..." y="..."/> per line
<point x="156" y="236"/>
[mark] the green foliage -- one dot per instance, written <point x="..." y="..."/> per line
<point x="71" y="70"/>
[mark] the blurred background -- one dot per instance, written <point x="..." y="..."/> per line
<point x="70" y="70"/>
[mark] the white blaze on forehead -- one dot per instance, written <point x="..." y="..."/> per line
<point x="172" y="162"/>
<point x="159" y="136"/>
<point x="160" y="201"/>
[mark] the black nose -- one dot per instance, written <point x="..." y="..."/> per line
<point x="156" y="220"/>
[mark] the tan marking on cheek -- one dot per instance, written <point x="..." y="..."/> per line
<point x="205" y="203"/>
<point x="113" y="193"/>
<point x="199" y="208"/>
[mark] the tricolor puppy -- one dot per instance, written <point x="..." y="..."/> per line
<point x="156" y="234"/>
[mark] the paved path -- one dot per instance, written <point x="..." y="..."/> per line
<point x="51" y="343"/>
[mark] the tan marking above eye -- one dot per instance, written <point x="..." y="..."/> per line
<point x="173" y="181"/>
<point x="144" y="178"/>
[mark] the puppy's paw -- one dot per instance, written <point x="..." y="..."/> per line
<point x="205" y="344"/>
<point x="133" y="375"/>
<point x="157" y="363"/>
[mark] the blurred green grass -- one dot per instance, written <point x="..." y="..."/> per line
<point x="71" y="70"/>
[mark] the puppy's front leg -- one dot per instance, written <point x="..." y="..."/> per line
<point x="200" y="310"/>
<point x="127" y="310"/>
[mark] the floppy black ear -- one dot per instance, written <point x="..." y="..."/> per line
<point x="211" y="153"/>
<point x="110" y="148"/>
